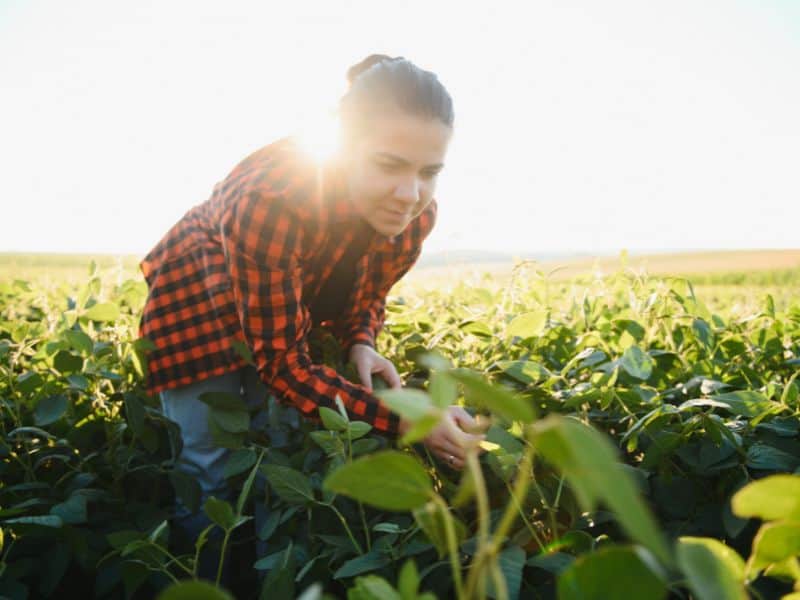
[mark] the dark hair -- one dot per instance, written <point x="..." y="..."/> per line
<point x="380" y="83"/>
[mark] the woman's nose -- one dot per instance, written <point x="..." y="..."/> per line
<point x="408" y="191"/>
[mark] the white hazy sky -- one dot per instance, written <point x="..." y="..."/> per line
<point x="581" y="126"/>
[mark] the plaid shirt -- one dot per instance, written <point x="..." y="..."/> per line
<point x="245" y="265"/>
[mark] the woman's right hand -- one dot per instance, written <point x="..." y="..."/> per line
<point x="448" y="440"/>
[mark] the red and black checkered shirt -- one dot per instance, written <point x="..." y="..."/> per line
<point x="244" y="267"/>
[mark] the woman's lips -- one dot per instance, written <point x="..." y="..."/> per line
<point x="395" y="216"/>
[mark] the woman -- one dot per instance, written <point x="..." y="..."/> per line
<point x="284" y="244"/>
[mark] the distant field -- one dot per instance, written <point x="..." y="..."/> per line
<point x="739" y="267"/>
<point x="765" y="267"/>
<point x="52" y="269"/>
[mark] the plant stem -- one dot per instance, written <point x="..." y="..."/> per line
<point x="525" y="520"/>
<point x="452" y="546"/>
<point x="178" y="562"/>
<point x="173" y="559"/>
<point x="166" y="572"/>
<point x="500" y="589"/>
<point x="520" y="488"/>
<point x="222" y="554"/>
<point x="550" y="510"/>
<point x="484" y="551"/>
<point x="344" y="524"/>
<point x="558" y="492"/>
<point x="364" y="523"/>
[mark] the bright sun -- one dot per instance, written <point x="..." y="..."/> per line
<point x="319" y="137"/>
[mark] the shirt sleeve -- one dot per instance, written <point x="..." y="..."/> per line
<point x="385" y="269"/>
<point x="262" y="239"/>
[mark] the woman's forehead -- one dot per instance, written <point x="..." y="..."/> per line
<point x="408" y="138"/>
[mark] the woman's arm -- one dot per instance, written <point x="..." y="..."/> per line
<point x="262" y="238"/>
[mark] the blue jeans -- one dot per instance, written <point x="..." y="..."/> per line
<point x="204" y="460"/>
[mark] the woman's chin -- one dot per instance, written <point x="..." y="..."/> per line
<point x="392" y="230"/>
<point x="388" y="229"/>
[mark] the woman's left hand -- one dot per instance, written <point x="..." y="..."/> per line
<point x="367" y="362"/>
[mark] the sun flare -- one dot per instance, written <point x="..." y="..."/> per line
<point x="319" y="137"/>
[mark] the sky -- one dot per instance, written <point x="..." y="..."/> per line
<point x="580" y="126"/>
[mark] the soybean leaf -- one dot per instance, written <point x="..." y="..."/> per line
<point x="420" y="429"/>
<point x="373" y="587"/>
<point x="390" y="480"/>
<point x="106" y="311"/>
<point x="748" y="403"/>
<point x="80" y="341"/>
<point x="590" y="463"/>
<point x="193" y="590"/>
<point x="239" y="461"/>
<point x="220" y="512"/>
<point x="714" y="571"/>
<point x="637" y="363"/>
<point x="365" y="445"/>
<point x="409" y="403"/>
<point x="231" y="421"/>
<point x="72" y="510"/>
<point x="771" y="498"/>
<point x="332" y="420"/>
<point x="329" y="441"/>
<point x="279" y="583"/>
<point x="442" y="389"/>
<point x="527" y="325"/>
<point x="497" y="399"/>
<point x="478" y="328"/>
<point x="408" y="580"/>
<point x="248" y="484"/>
<point x="291" y="485"/>
<point x="613" y="573"/>
<point x="358" y="429"/>
<point x="774" y="543"/>
<point x="511" y="561"/>
<point x="524" y="371"/>
<point x="225" y="439"/>
<point x="66" y="362"/>
<point x="270" y="524"/>
<point x="554" y="562"/>
<point x="371" y="561"/>
<point x="762" y="456"/>
<point x="44" y="521"/>
<point x="50" y="409"/>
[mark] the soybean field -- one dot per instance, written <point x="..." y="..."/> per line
<point x="642" y="443"/>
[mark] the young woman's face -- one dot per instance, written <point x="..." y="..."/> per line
<point x="392" y="171"/>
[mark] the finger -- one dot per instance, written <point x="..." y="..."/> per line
<point x="391" y="376"/>
<point x="450" y="456"/>
<point x="455" y="435"/>
<point x="465" y="420"/>
<point x="447" y="448"/>
<point x="455" y="463"/>
<point x="469" y="423"/>
<point x="440" y="446"/>
<point x="365" y="374"/>
<point x="454" y="460"/>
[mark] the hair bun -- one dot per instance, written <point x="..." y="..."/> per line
<point x="365" y="64"/>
